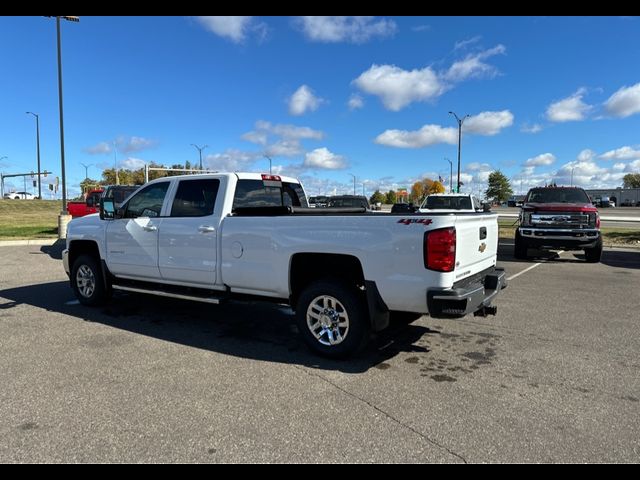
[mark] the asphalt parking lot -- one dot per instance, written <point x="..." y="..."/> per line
<point x="554" y="377"/>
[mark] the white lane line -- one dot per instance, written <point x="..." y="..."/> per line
<point x="516" y="275"/>
<point x="523" y="271"/>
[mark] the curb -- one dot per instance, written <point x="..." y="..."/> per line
<point x="39" y="242"/>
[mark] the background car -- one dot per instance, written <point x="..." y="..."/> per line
<point x="404" y="208"/>
<point x="19" y="196"/>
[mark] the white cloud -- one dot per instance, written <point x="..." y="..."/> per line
<point x="397" y="88"/>
<point x="324" y="159"/>
<point x="633" y="167"/>
<point x="345" y="29"/>
<point x="488" y="123"/>
<point x="131" y="163"/>
<point x="466" y="43"/>
<point x="234" y="28"/>
<point x="101" y="148"/>
<point x="281" y="139"/>
<point x="134" y="144"/>
<point x="231" y="160"/>
<point x="624" y="102"/>
<point x="622" y="153"/>
<point x="569" y="109"/>
<point x="540" y="160"/>
<point x="586" y="155"/>
<point x="479" y="167"/>
<point x="355" y="102"/>
<point x="534" y="128"/>
<point x="303" y="100"/>
<point x="426" y="136"/>
<point x="473" y="66"/>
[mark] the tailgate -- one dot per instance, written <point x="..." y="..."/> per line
<point x="476" y="243"/>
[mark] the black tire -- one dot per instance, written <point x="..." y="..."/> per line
<point x="593" y="255"/>
<point x="520" y="247"/>
<point x="332" y="318"/>
<point x="87" y="282"/>
<point x="404" y="317"/>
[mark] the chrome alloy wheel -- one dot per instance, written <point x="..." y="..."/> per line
<point x="327" y="320"/>
<point x="86" y="281"/>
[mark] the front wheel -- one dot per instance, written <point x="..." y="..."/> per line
<point x="520" y="247"/>
<point x="87" y="282"/>
<point x="332" y="319"/>
<point x="593" y="255"/>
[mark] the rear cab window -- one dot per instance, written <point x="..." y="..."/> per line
<point x="254" y="193"/>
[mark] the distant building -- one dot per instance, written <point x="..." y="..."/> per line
<point x="619" y="196"/>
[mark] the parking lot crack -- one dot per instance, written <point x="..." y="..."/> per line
<point x="386" y="414"/>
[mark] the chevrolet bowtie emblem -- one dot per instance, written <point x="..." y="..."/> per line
<point x="482" y="247"/>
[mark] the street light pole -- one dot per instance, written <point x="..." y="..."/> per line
<point x="2" y="179"/>
<point x="86" y="169"/>
<point x="64" y="178"/>
<point x="268" y="158"/>
<point x="38" y="149"/>
<point x="450" y="175"/>
<point x="460" y="122"/>
<point x="200" y="151"/>
<point x="572" y="168"/>
<point x="354" y="183"/>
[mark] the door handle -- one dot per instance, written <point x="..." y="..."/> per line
<point x="206" y="229"/>
<point x="150" y="228"/>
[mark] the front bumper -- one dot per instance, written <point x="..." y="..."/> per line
<point x="65" y="261"/>
<point x="560" y="238"/>
<point x="465" y="297"/>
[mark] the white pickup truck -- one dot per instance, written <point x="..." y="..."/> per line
<point x="244" y="235"/>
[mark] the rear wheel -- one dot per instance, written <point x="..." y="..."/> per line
<point x="332" y="318"/>
<point x="520" y="247"/>
<point x="87" y="282"/>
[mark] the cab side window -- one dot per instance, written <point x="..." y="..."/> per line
<point x="147" y="202"/>
<point x="195" y="198"/>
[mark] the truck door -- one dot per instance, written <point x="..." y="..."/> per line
<point x="188" y="238"/>
<point x="132" y="241"/>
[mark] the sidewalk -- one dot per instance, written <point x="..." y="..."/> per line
<point x="37" y="241"/>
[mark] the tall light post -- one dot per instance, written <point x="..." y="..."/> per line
<point x="115" y="163"/>
<point x="354" y="183"/>
<point x="460" y="122"/>
<point x="62" y="172"/>
<point x="450" y="175"/>
<point x="200" y="152"/>
<point x="572" y="169"/>
<point x="86" y="169"/>
<point x="38" y="149"/>
<point x="2" y="179"/>
<point x="268" y="158"/>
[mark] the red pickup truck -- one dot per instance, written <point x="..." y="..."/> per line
<point x="90" y="205"/>
<point x="554" y="218"/>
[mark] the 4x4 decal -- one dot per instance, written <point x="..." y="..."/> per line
<point x="409" y="221"/>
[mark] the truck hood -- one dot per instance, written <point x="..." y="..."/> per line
<point x="560" y="207"/>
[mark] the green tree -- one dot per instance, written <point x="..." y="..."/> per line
<point x="499" y="188"/>
<point x="631" y="180"/>
<point x="391" y="197"/>
<point x="87" y="184"/>
<point x="377" y="197"/>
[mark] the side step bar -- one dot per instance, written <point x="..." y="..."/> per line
<point x="162" y="293"/>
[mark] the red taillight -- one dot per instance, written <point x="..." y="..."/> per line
<point x="440" y="250"/>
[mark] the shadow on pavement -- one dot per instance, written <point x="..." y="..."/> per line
<point x="55" y="250"/>
<point x="253" y="330"/>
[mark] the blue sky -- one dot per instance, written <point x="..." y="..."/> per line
<point x="329" y="97"/>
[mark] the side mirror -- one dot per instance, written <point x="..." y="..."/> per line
<point x="107" y="208"/>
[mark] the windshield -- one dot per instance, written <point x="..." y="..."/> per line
<point x="557" y="195"/>
<point x="447" y="203"/>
